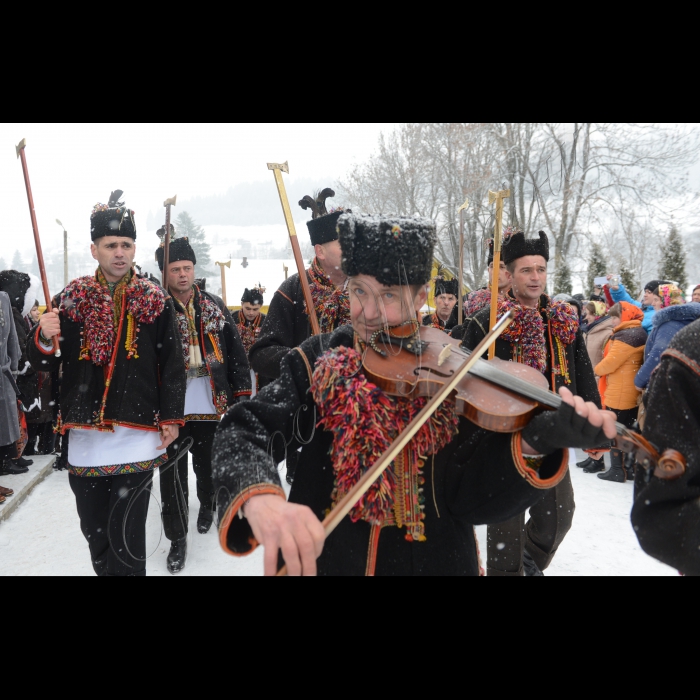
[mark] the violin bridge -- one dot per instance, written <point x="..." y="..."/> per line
<point x="444" y="354"/>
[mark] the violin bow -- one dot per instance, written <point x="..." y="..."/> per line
<point x="345" y="505"/>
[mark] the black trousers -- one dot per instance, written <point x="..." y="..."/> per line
<point x="46" y="435"/>
<point x="550" y="520"/>
<point x="174" y="490"/>
<point x="112" y="511"/>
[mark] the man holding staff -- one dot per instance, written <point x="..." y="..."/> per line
<point x="216" y="369"/>
<point x="417" y="517"/>
<point x="123" y="389"/>
<point x="287" y="324"/>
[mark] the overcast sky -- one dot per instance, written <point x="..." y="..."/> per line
<point x="73" y="166"/>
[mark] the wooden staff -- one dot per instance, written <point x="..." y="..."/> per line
<point x="166" y="241"/>
<point x="347" y="503"/>
<point x="461" y="259"/>
<point x="37" y="241"/>
<point x="278" y="169"/>
<point x="223" y="279"/>
<point x="497" y="197"/>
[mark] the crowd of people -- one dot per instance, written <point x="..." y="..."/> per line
<point x="149" y="372"/>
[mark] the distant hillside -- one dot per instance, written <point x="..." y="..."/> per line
<point x="247" y="204"/>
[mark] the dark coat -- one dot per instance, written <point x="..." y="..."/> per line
<point x="35" y="386"/>
<point x="143" y="392"/>
<point x="665" y="514"/>
<point x="286" y="326"/>
<point x="665" y="324"/>
<point x="583" y="381"/>
<point x="446" y="326"/>
<point x="9" y="361"/>
<point x="232" y="377"/>
<point x="474" y="479"/>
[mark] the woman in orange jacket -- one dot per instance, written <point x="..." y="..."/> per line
<point x="622" y="358"/>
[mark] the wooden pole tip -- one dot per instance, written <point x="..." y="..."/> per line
<point x="21" y="145"/>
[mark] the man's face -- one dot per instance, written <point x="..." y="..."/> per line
<point x="444" y="304"/>
<point x="374" y="306"/>
<point x="115" y="255"/>
<point x="696" y="295"/>
<point x="250" y="311"/>
<point x="34" y="314"/>
<point x="181" y="276"/>
<point x="529" y="278"/>
<point x="503" y="277"/>
<point x="648" y="298"/>
<point x="329" y="254"/>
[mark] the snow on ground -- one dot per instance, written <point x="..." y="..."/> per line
<point x="42" y="537"/>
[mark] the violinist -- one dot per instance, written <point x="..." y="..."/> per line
<point x="418" y="517"/>
<point x="545" y="335"/>
<point x="665" y="514"/>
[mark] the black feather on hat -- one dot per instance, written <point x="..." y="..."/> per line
<point x="112" y="219"/>
<point x="517" y="246"/>
<point x="180" y="249"/>
<point x="322" y="227"/>
<point x="394" y="250"/>
<point x="252" y="296"/>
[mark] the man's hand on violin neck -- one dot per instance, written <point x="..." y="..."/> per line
<point x="576" y="423"/>
<point x="289" y="527"/>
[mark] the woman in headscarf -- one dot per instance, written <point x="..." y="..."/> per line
<point x="622" y="358"/>
<point x="672" y="314"/>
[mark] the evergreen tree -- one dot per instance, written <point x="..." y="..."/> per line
<point x="596" y="266"/>
<point x="627" y="278"/>
<point x="562" y="280"/>
<point x="3" y="264"/>
<point x="673" y="260"/>
<point x="17" y="263"/>
<point x="186" y="226"/>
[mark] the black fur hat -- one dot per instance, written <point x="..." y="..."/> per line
<point x="444" y="286"/>
<point x="322" y="227"/>
<point x="252" y="296"/>
<point x="517" y="246"/>
<point x="22" y="288"/>
<point x="395" y="250"/>
<point x="180" y="249"/>
<point x="112" y="219"/>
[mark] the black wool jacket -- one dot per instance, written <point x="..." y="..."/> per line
<point x="230" y="378"/>
<point x="583" y="382"/>
<point x="665" y="514"/>
<point x="142" y="392"/>
<point x="479" y="477"/>
<point x="286" y="326"/>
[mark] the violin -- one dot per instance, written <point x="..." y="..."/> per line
<point x="497" y="395"/>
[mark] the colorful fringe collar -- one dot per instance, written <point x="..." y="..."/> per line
<point x="248" y="330"/>
<point x="212" y="321"/>
<point x="332" y="304"/>
<point x="88" y="301"/>
<point x="364" y="421"/>
<point x="527" y="330"/>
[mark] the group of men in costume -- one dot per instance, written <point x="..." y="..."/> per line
<point x="145" y="367"/>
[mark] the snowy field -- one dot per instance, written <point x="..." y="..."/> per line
<point x="42" y="537"/>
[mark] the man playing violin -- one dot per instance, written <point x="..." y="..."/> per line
<point x="418" y="516"/>
<point x="545" y="334"/>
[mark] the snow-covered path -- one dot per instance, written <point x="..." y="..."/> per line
<point x="43" y="536"/>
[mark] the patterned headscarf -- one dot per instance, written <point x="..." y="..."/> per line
<point x="670" y="295"/>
